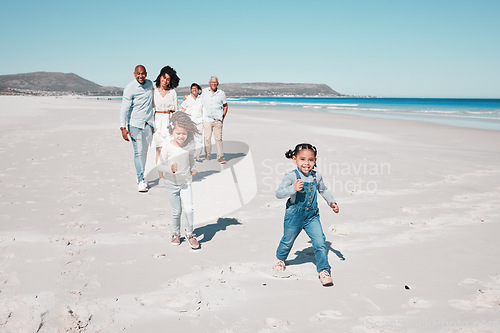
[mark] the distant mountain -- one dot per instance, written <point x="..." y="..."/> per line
<point x="50" y="83"/>
<point x="270" y="89"/>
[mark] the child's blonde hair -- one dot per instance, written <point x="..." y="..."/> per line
<point x="182" y="119"/>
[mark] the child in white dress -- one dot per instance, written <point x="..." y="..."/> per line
<point x="177" y="162"/>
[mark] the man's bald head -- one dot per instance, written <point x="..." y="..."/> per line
<point x="140" y="74"/>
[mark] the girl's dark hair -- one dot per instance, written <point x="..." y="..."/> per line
<point x="291" y="153"/>
<point x="197" y="86"/>
<point x="182" y="119"/>
<point x="174" y="79"/>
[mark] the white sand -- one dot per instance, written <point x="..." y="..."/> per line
<point x="82" y="251"/>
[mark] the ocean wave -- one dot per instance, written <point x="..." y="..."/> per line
<point x="245" y="102"/>
<point x="442" y="115"/>
<point x="357" y="109"/>
<point x="436" y="111"/>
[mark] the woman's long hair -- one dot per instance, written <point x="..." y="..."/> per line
<point x="174" y="79"/>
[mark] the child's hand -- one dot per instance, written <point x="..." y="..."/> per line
<point x="193" y="172"/>
<point x="174" y="168"/>
<point x="334" y="206"/>
<point x="298" y="185"/>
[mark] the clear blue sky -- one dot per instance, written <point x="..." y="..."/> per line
<point x="392" y="48"/>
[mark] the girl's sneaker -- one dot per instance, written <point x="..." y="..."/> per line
<point x="193" y="242"/>
<point x="278" y="265"/>
<point x="176" y="239"/>
<point x="325" y="278"/>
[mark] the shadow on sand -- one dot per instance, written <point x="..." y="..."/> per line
<point x="205" y="168"/>
<point x="227" y="156"/>
<point x="307" y="255"/>
<point x="210" y="230"/>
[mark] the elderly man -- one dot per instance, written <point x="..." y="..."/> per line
<point x="214" y="112"/>
<point x="137" y="120"/>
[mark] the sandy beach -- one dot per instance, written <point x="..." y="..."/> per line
<point x="414" y="248"/>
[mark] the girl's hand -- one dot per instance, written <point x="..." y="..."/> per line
<point x="174" y="168"/>
<point x="298" y="185"/>
<point x="334" y="206"/>
<point x="193" y="172"/>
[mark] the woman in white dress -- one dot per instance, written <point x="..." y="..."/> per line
<point x="193" y="106"/>
<point x="164" y="104"/>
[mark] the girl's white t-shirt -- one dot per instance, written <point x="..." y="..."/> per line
<point x="183" y="156"/>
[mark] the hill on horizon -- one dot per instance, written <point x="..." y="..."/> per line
<point x="52" y="82"/>
<point x="56" y="83"/>
<point x="271" y="89"/>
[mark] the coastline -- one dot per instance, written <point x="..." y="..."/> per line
<point x="81" y="248"/>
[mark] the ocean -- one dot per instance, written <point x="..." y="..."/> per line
<point x="472" y="113"/>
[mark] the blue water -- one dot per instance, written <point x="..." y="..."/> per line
<point x="472" y="113"/>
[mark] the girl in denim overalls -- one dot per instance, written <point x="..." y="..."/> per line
<point x="300" y="186"/>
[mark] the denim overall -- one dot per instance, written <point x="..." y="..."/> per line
<point x="304" y="214"/>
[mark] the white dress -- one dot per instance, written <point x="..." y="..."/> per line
<point x="163" y="103"/>
<point x="194" y="107"/>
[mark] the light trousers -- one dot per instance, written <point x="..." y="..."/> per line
<point x="215" y="127"/>
<point x="140" y="141"/>
<point x="181" y="196"/>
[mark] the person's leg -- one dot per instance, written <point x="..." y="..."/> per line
<point x="207" y="133"/>
<point x="218" y="137"/>
<point x="147" y="135"/>
<point x="173" y="193"/>
<point x="199" y="141"/>
<point x="158" y="152"/>
<point x="292" y="226"/>
<point x="186" y="195"/>
<point x="315" y="232"/>
<point x="137" y="137"/>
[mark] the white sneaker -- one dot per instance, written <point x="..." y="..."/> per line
<point x="278" y="265"/>
<point x="143" y="187"/>
<point x="325" y="278"/>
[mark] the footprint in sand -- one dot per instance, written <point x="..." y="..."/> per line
<point x="160" y="256"/>
<point x="487" y="294"/>
<point x="188" y="302"/>
<point x="326" y="315"/>
<point x="483" y="298"/>
<point x="368" y="302"/>
<point x="383" y="286"/>
<point x="409" y="210"/>
<point x="419" y="303"/>
<point x="282" y="274"/>
<point x="277" y="323"/>
<point x="74" y="225"/>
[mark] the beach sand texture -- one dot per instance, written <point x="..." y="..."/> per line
<point x="414" y="248"/>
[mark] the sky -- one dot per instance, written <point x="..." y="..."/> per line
<point x="389" y="48"/>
